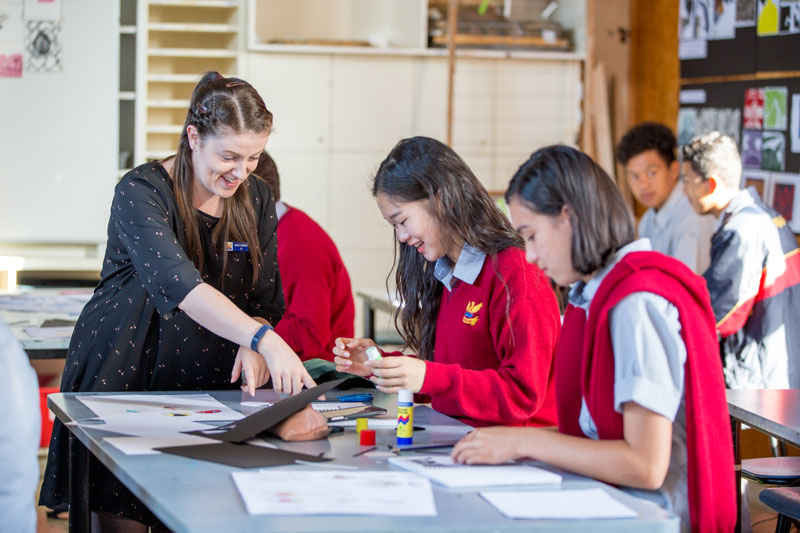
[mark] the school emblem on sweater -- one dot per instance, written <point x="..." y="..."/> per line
<point x="471" y="314"/>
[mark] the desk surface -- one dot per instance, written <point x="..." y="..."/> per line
<point x="52" y="303"/>
<point x="197" y="496"/>
<point x="774" y="412"/>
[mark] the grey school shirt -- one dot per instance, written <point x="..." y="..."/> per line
<point x="649" y="359"/>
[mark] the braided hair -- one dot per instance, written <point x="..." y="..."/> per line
<point x="218" y="106"/>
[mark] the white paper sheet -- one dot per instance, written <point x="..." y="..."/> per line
<point x="442" y="470"/>
<point x="318" y="406"/>
<point x="148" y="426"/>
<point x="299" y="492"/>
<point x="145" y="445"/>
<point x="372" y="423"/>
<point x="155" y="415"/>
<point x="795" y="124"/>
<point x="59" y="332"/>
<point x="70" y="303"/>
<point x="563" y="504"/>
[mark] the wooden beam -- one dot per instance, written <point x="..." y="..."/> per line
<point x="742" y="77"/>
<point x="452" y="30"/>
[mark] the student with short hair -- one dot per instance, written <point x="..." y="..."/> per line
<point x="190" y="286"/>
<point x="319" y="299"/>
<point x="754" y="274"/>
<point x="482" y="322"/>
<point x="647" y="152"/>
<point x="641" y="401"/>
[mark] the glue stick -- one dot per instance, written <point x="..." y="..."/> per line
<point x="405" y="417"/>
<point x="373" y="354"/>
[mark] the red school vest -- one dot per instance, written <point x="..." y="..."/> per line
<point x="585" y="351"/>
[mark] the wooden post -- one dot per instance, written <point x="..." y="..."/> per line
<point x="604" y="142"/>
<point x="452" y="29"/>
<point x="587" y="135"/>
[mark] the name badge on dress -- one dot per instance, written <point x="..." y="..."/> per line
<point x="236" y="247"/>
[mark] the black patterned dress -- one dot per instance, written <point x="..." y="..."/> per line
<point x="131" y="336"/>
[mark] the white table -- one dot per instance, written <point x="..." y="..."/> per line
<point x="191" y="495"/>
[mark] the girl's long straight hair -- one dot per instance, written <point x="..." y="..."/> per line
<point x="421" y="168"/>
<point x="218" y="106"/>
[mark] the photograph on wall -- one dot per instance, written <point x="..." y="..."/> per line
<point x="768" y="13"/>
<point x="43" y="46"/>
<point x="687" y="123"/>
<point x="696" y="19"/>
<point x="729" y="122"/>
<point x="754" y="108"/>
<point x="745" y="12"/>
<point x="43" y="10"/>
<point x="789" y="21"/>
<point x="706" y="120"/>
<point x="773" y="151"/>
<point x="10" y="64"/>
<point x="761" y="181"/>
<point x="785" y="198"/>
<point x="751" y="148"/>
<point x="11" y="25"/>
<point x="723" y="16"/>
<point x="775" y="109"/>
<point x="794" y="125"/>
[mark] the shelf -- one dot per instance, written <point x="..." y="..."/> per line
<point x="127" y="95"/>
<point x="195" y="28"/>
<point x="172" y="128"/>
<point x="196" y="3"/>
<point x="487" y="53"/>
<point x="176" y="78"/>
<point x="170" y="104"/>
<point x="192" y="52"/>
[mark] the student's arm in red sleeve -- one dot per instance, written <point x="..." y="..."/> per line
<point x="517" y="389"/>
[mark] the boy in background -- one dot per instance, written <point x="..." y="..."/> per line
<point x="754" y="276"/>
<point x="316" y="286"/>
<point x="648" y="154"/>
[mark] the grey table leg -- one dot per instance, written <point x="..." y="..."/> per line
<point x="79" y="518"/>
<point x="369" y="321"/>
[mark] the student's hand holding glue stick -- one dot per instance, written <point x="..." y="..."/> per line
<point x="351" y="355"/>
<point x="389" y="374"/>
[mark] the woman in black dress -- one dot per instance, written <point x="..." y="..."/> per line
<point x="190" y="284"/>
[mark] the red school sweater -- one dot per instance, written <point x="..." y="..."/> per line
<point x="319" y="300"/>
<point x="493" y="359"/>
<point x="585" y="369"/>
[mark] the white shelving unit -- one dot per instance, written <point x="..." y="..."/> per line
<point x="177" y="41"/>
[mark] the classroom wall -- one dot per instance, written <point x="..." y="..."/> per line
<point x="338" y="116"/>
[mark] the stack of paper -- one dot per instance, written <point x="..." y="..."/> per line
<point x="565" y="504"/>
<point x="300" y="492"/>
<point x="442" y="470"/>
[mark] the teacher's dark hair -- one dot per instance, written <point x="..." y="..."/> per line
<point x="219" y="106"/>
<point x="421" y="168"/>
<point x="559" y="176"/>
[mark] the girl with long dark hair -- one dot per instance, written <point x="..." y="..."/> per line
<point x="189" y="289"/>
<point x="641" y="401"/>
<point x="482" y="322"/>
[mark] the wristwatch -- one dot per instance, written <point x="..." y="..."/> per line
<point x="259" y="334"/>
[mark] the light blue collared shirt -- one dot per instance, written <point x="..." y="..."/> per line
<point x="469" y="265"/>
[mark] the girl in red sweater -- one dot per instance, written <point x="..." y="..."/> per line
<point x="483" y="322"/>
<point x="641" y="401"/>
